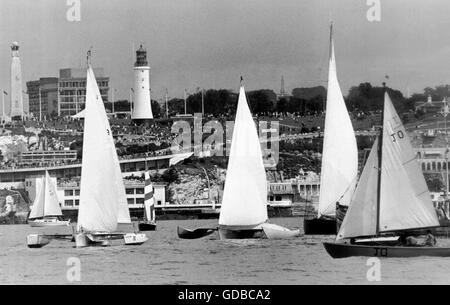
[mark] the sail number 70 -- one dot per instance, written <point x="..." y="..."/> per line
<point x="399" y="134"/>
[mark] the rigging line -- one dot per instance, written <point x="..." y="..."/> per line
<point x="425" y="191"/>
<point x="409" y="161"/>
<point x="346" y="190"/>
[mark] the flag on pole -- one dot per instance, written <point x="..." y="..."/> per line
<point x="5" y="93"/>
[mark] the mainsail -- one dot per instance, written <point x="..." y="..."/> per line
<point x="404" y="202"/>
<point x="46" y="202"/>
<point x="340" y="153"/>
<point x="244" y="201"/>
<point x="103" y="201"/>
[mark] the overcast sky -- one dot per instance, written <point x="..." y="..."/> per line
<point x="211" y="43"/>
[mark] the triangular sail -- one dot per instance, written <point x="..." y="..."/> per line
<point x="361" y="216"/>
<point x="244" y="201"/>
<point x="103" y="201"/>
<point x="149" y="199"/>
<point x="51" y="206"/>
<point x="340" y="153"/>
<point x="405" y="202"/>
<point x="46" y="202"/>
<point x="37" y="210"/>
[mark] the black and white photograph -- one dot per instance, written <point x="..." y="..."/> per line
<point x="224" y="143"/>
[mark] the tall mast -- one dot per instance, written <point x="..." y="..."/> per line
<point x="380" y="160"/>
<point x="331" y="39"/>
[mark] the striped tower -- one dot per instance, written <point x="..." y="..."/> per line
<point x="149" y="201"/>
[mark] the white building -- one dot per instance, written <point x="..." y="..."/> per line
<point x="69" y="193"/>
<point x="142" y="108"/>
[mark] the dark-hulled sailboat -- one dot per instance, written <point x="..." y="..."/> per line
<point x="391" y="198"/>
<point x="339" y="168"/>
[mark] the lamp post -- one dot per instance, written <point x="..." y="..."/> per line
<point x="167" y="105"/>
<point x="40" y="105"/>
<point x="445" y="111"/>
<point x="3" y="104"/>
<point x="185" y="103"/>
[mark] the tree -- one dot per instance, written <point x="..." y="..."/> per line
<point x="365" y="97"/>
<point x="261" y="101"/>
<point x="170" y="175"/>
<point x="176" y="106"/>
<point x="156" y="109"/>
<point x="434" y="182"/>
<point x="282" y="105"/>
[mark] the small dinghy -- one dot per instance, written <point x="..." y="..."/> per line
<point x="194" y="233"/>
<point x="46" y="211"/>
<point x="147" y="226"/>
<point x="391" y="197"/>
<point x="37" y="241"/>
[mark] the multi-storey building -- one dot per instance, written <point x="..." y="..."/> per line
<point x="63" y="96"/>
<point x="43" y="97"/>
<point x="72" y="89"/>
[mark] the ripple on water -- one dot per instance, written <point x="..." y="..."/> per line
<point x="165" y="259"/>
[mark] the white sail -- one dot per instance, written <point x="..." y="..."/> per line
<point x="149" y="199"/>
<point x="37" y="210"/>
<point x="340" y="153"/>
<point x="244" y="201"/>
<point x="46" y="202"/>
<point x="103" y="201"/>
<point x="361" y="216"/>
<point x="405" y="202"/>
<point x="51" y="206"/>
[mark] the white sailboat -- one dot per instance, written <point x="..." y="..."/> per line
<point x="46" y="211"/>
<point x="339" y="157"/>
<point x="103" y="202"/>
<point x="149" y="223"/>
<point x="391" y="197"/>
<point x="243" y="212"/>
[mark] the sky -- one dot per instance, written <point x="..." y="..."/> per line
<point x="210" y="43"/>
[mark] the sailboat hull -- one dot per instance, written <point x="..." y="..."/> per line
<point x="147" y="226"/>
<point x="319" y="226"/>
<point x="88" y="240"/>
<point x="37" y="241"/>
<point x="337" y="250"/>
<point x="195" y="233"/>
<point x="48" y="223"/>
<point x="241" y="234"/>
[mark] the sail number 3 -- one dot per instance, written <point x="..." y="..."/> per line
<point x="399" y="134"/>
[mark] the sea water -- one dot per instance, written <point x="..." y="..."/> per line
<point x="166" y="259"/>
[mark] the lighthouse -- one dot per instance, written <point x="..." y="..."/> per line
<point x="142" y="109"/>
<point x="16" y="106"/>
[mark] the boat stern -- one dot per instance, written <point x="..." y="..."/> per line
<point x="37" y="241"/>
<point x="135" y="239"/>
